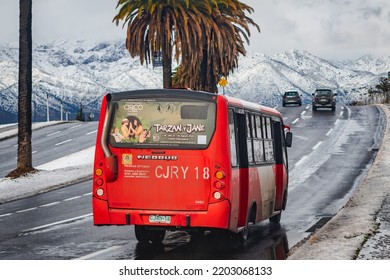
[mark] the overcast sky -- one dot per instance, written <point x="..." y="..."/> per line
<point x="331" y="29"/>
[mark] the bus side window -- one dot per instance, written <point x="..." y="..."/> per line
<point x="258" y="144"/>
<point x="249" y="126"/>
<point x="268" y="141"/>
<point x="233" y="141"/>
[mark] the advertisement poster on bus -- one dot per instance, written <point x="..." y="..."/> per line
<point x="162" y="123"/>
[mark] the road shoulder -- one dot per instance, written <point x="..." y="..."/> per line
<point x="344" y="235"/>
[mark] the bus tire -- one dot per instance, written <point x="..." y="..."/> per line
<point x="144" y="235"/>
<point x="276" y="219"/>
<point x="141" y="233"/>
<point x="156" y="236"/>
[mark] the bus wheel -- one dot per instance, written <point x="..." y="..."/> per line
<point x="244" y="234"/>
<point x="144" y="235"/>
<point x="156" y="236"/>
<point x="141" y="233"/>
<point x="276" y="219"/>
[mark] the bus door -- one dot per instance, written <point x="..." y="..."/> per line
<point x="243" y="167"/>
<point x="281" y="168"/>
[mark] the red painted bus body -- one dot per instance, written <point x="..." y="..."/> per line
<point x="200" y="161"/>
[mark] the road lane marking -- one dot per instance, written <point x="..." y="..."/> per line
<point x="6" y="215"/>
<point x="63" y="142"/>
<point x="46" y="205"/>
<point x="307" y="107"/>
<point x="317" y="145"/>
<point x="295" y="121"/>
<point x="74" y="126"/>
<point x="299" y="162"/>
<point x="337" y="121"/>
<point x="49" y="204"/>
<point x="58" y="223"/>
<point x="91" y="132"/>
<point x="301" y="137"/>
<point x="34" y="152"/>
<point x="27" y="210"/>
<point x="72" y="198"/>
<point x="54" y="133"/>
<point x="97" y="253"/>
<point x="329" y="132"/>
<point x="304" y="112"/>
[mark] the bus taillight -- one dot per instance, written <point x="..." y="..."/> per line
<point x="100" y="192"/>
<point x="218" y="193"/>
<point x="219" y="185"/>
<point x="219" y="175"/>
<point x="99" y="181"/>
<point x="99" y="172"/>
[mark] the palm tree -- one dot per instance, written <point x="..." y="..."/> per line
<point x="154" y="26"/>
<point x="384" y="88"/>
<point x="24" y="161"/>
<point x="224" y="27"/>
<point x="205" y="35"/>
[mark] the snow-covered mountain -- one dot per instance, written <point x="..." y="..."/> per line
<point x="82" y="72"/>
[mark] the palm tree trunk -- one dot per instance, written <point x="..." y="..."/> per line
<point x="167" y="62"/>
<point x="24" y="161"/>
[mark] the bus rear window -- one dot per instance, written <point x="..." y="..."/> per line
<point x="162" y="123"/>
<point x="194" y="112"/>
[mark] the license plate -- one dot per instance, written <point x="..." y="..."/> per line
<point x="160" y="219"/>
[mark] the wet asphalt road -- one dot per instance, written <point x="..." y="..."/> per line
<point x="330" y="153"/>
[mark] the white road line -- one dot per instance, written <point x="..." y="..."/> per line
<point x="75" y="126"/>
<point x="329" y="132"/>
<point x="6" y="215"/>
<point x="337" y="121"/>
<point x="86" y="194"/>
<point x="318" y="144"/>
<point x="307" y="107"/>
<point x="97" y="253"/>
<point x="63" y="142"/>
<point x="303" y="113"/>
<point x="299" y="162"/>
<point x="57" y="223"/>
<point x="49" y="204"/>
<point x="72" y="198"/>
<point x="26" y="210"/>
<point x="341" y="113"/>
<point x="91" y="132"/>
<point x="34" y="152"/>
<point x="54" y="133"/>
<point x="295" y="121"/>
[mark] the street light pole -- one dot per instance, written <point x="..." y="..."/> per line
<point x="47" y="108"/>
<point x="62" y="107"/>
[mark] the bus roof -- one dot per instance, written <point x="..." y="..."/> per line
<point x="252" y="105"/>
<point x="187" y="93"/>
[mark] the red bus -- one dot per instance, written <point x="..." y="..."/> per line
<point x="186" y="160"/>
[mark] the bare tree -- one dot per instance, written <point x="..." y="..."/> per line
<point x="24" y="161"/>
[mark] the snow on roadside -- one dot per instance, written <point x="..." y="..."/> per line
<point x="61" y="172"/>
<point x="84" y="157"/>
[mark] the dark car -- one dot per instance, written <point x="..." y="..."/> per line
<point x="292" y="97"/>
<point x="324" y="98"/>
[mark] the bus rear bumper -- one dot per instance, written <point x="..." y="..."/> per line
<point x="217" y="216"/>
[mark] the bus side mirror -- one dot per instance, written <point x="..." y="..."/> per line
<point x="289" y="139"/>
<point x="111" y="168"/>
